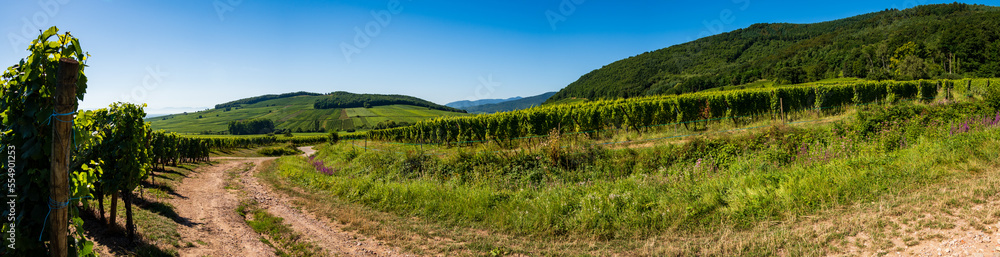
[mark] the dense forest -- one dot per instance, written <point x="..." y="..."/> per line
<point x="342" y="99"/>
<point x="251" y="126"/>
<point x="934" y="41"/>
<point x="257" y="99"/>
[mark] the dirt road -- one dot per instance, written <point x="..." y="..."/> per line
<point x="220" y="231"/>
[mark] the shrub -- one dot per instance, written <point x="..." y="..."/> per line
<point x="334" y="138"/>
<point x="280" y="151"/>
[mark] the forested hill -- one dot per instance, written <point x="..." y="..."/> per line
<point x="341" y="99"/>
<point x="257" y="99"/>
<point x="931" y="41"/>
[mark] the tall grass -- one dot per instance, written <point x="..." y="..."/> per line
<point x="733" y="181"/>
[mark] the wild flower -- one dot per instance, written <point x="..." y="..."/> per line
<point x="321" y="167"/>
<point x="697" y="164"/>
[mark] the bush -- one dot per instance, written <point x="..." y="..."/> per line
<point x="280" y="151"/>
<point x="251" y="126"/>
<point x="334" y="138"/>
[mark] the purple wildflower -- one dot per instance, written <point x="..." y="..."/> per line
<point x="697" y="164"/>
<point x="321" y="167"/>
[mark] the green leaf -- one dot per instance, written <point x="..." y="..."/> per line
<point x="79" y="51"/>
<point x="52" y="44"/>
<point x="49" y="33"/>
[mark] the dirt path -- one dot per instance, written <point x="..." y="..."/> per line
<point x="214" y="224"/>
<point x="308" y="150"/>
<point x="211" y="209"/>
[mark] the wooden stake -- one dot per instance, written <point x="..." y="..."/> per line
<point x="62" y="135"/>
<point x="782" y="102"/>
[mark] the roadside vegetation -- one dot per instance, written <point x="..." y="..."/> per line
<point x="156" y="220"/>
<point x="598" y="190"/>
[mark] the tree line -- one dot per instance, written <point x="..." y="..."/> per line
<point x="342" y="99"/>
<point x="251" y="126"/>
<point x="257" y="99"/>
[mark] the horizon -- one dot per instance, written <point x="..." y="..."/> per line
<point x="157" y="52"/>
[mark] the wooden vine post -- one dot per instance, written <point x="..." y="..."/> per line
<point x="62" y="135"/>
<point x="781" y="102"/>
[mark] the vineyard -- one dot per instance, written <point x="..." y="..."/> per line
<point x="669" y="128"/>
<point x="734" y="182"/>
<point x="112" y="150"/>
<point x="643" y="113"/>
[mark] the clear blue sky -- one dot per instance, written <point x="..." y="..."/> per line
<point x="183" y="55"/>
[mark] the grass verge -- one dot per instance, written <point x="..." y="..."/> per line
<point x="275" y="232"/>
<point x="661" y="194"/>
<point x="156" y="221"/>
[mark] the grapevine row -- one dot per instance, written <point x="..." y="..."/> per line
<point x="635" y="113"/>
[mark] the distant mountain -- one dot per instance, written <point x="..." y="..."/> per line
<point x="309" y="112"/>
<point x="518" y="104"/>
<point x="929" y="41"/>
<point x="466" y="103"/>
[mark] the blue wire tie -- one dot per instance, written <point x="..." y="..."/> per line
<point x="52" y="205"/>
<point x="54" y="114"/>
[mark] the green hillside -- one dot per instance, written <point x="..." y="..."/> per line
<point x="932" y="41"/>
<point x="295" y="112"/>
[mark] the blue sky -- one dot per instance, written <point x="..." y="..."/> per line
<point x="188" y="55"/>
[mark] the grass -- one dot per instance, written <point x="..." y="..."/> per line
<point x="239" y="152"/>
<point x="279" y="151"/>
<point x="247" y="152"/>
<point x="689" y="193"/>
<point x="241" y="136"/>
<point x="156" y="221"/>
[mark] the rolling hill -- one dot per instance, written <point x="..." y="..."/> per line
<point x="930" y="41"/>
<point x="296" y="112"/>
<point x="521" y="103"/>
<point x="466" y="103"/>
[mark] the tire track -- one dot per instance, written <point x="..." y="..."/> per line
<point x="211" y="209"/>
